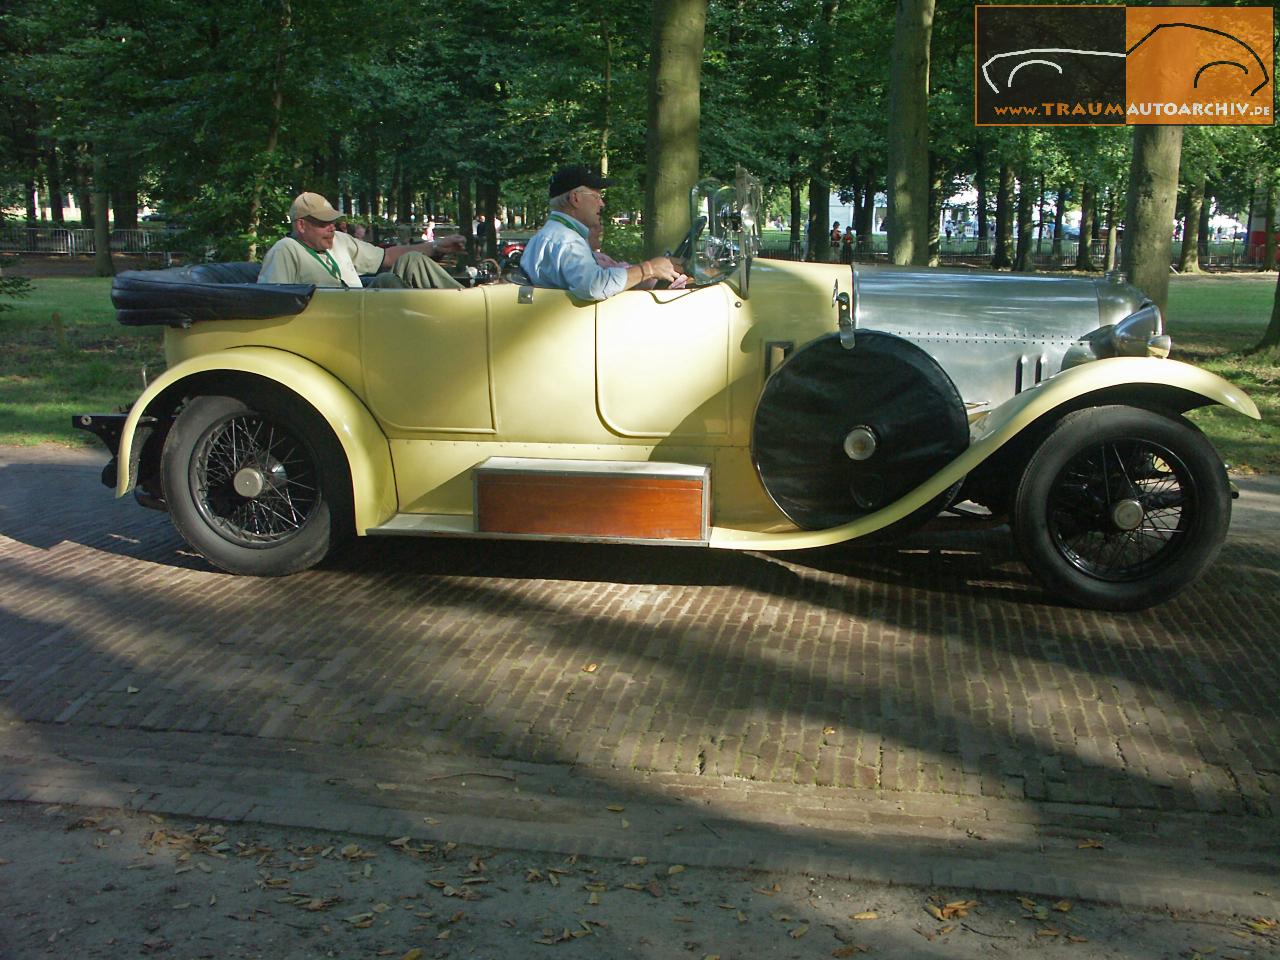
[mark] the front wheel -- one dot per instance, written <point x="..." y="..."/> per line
<point x="1120" y="508"/>
<point x="255" y="487"/>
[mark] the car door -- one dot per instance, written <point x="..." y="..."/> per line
<point x="663" y="363"/>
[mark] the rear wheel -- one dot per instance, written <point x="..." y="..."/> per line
<point x="255" y="485"/>
<point x="1120" y="508"/>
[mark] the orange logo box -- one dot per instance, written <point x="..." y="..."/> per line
<point x="1199" y="65"/>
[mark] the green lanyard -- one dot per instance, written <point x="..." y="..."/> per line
<point x="572" y="224"/>
<point x="327" y="261"/>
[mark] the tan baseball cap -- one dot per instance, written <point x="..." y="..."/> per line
<point x="312" y="205"/>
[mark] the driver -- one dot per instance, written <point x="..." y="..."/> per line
<point x="317" y="253"/>
<point x="559" y="255"/>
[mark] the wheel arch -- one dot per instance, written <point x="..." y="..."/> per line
<point x="368" y="455"/>
<point x="1170" y="385"/>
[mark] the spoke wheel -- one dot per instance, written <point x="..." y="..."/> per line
<point x="252" y="486"/>
<point x="254" y="481"/>
<point x="1121" y="508"/>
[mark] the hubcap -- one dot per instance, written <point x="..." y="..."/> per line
<point x="860" y="443"/>
<point x="1127" y="514"/>
<point x="249" y="482"/>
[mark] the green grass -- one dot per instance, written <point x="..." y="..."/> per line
<point x="1214" y="320"/>
<point x="89" y="363"/>
<point x="64" y="354"/>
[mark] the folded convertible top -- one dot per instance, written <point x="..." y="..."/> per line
<point x="180" y="296"/>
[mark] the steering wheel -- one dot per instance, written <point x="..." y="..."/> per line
<point x="685" y="249"/>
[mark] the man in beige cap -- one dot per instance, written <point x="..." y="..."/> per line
<point x="316" y="252"/>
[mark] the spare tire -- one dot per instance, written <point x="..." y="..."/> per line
<point x="889" y="387"/>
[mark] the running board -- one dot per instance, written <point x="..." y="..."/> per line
<point x="579" y="500"/>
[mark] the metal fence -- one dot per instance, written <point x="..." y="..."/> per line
<point x="79" y="240"/>
<point x="1225" y="254"/>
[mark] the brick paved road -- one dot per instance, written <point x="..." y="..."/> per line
<point x="932" y="673"/>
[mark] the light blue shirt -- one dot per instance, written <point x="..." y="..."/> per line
<point x="559" y="256"/>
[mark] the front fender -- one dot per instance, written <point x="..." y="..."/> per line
<point x="368" y="455"/>
<point x="999" y="427"/>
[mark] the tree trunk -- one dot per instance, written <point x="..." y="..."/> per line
<point x="819" y="225"/>
<point x="671" y="144"/>
<point x="1088" y="224"/>
<point x="273" y="130"/>
<point x="607" y="107"/>
<point x="820" y="244"/>
<point x="33" y="208"/>
<point x="1025" y="261"/>
<point x="797" y="250"/>
<point x="867" y="214"/>
<point x="1189" y="258"/>
<point x="1271" y="338"/>
<point x="1113" y="235"/>
<point x="935" y="211"/>
<point x="1153" y="192"/>
<point x="103" y="266"/>
<point x="465" y="212"/>
<point x="125" y="205"/>
<point x="1004" y="219"/>
<point x="980" y="183"/>
<point x="57" y="200"/>
<point x="1269" y="230"/>
<point x="908" y="140"/>
<point x="1059" y="215"/>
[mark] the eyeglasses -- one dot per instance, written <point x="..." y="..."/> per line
<point x="593" y="193"/>
<point x="318" y="223"/>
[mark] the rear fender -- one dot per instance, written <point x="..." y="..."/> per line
<point x="373" y="488"/>
<point x="1183" y="385"/>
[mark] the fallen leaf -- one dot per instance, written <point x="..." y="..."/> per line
<point x="638" y="861"/>
<point x="615" y="808"/>
<point x="414" y="954"/>
<point x="633" y="886"/>
<point x="674" y="869"/>
<point x="591" y="668"/>
<point x="828" y="730"/>
<point x="594" y="899"/>
<point x="1048" y="932"/>
<point x="865" y="915"/>
<point x="1063" y="906"/>
<point x="1072" y="938"/>
<point x="798" y="932"/>
<point x="1089" y="844"/>
<point x="849" y="949"/>
<point x="655" y="888"/>
<point x="131" y="690"/>
<point x="769" y="891"/>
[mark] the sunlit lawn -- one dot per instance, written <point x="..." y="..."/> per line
<point x="89" y="363"/>
<point x="64" y="353"/>
<point x="1213" y="320"/>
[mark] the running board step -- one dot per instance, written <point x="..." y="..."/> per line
<point x="594" y="499"/>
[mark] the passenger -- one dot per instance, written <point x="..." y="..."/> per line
<point x="559" y="255"/>
<point x="595" y="237"/>
<point x="319" y="254"/>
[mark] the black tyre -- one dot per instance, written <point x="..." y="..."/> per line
<point x="256" y="486"/>
<point x="1120" y="508"/>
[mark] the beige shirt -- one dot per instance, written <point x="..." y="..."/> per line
<point x="290" y="261"/>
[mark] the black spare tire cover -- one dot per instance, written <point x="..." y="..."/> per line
<point x="824" y="391"/>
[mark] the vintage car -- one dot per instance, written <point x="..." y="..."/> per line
<point x="771" y="405"/>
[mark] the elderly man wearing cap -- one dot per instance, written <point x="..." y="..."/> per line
<point x="316" y="252"/>
<point x="559" y="255"/>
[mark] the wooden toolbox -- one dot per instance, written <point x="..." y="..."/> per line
<point x="594" y="499"/>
